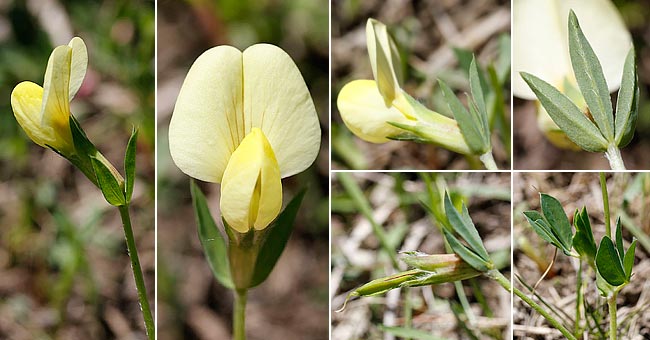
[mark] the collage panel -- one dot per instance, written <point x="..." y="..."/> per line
<point x="581" y="255"/>
<point x="580" y="82"/>
<point x="420" y="255"/>
<point x="243" y="170"/>
<point x="420" y="84"/>
<point x="76" y="79"/>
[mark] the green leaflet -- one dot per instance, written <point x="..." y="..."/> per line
<point x="583" y="240"/>
<point x="628" y="260"/>
<point x="627" y="105"/>
<point x="129" y="165"/>
<point x="590" y="78"/>
<point x="108" y="184"/>
<point x="465" y="228"/>
<point x="465" y="253"/>
<point x="609" y="263"/>
<point x="276" y="240"/>
<point x="469" y="125"/>
<point x="567" y="115"/>
<point x="481" y="115"/>
<point x="213" y="243"/>
<point x="555" y="216"/>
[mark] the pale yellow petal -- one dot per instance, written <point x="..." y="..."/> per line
<point x="363" y="111"/>
<point x="384" y="59"/>
<point x="207" y="123"/>
<point x="251" y="190"/>
<point x="277" y="101"/>
<point x="56" y="90"/>
<point x="78" y="65"/>
<point x="540" y="40"/>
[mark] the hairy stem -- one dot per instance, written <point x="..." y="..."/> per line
<point x="613" y="155"/>
<point x="488" y="161"/>
<point x="611" y="302"/>
<point x="137" y="272"/>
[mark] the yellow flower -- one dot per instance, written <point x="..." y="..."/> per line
<point x="43" y="112"/>
<point x="245" y="120"/>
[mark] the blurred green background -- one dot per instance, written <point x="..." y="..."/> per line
<point x="533" y="151"/>
<point x="292" y="303"/>
<point x="64" y="269"/>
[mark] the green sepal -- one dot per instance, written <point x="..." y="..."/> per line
<point x="627" y="102"/>
<point x="465" y="253"/>
<point x="583" y="240"/>
<point x="129" y="165"/>
<point x="628" y="260"/>
<point x="609" y="263"/>
<point x="82" y="144"/>
<point x="567" y="115"/>
<point x="214" y="245"/>
<point x="108" y="184"/>
<point x="556" y="217"/>
<point x="463" y="225"/>
<point x="276" y="239"/>
<point x="590" y="78"/>
<point x="469" y="126"/>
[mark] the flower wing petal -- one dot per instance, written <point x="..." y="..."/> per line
<point x="363" y="111"/>
<point x="207" y="123"/>
<point x="26" y="101"/>
<point x="79" y="64"/>
<point x="277" y="100"/>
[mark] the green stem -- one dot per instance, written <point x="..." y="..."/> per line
<point x="613" y="155"/>
<point x="579" y="300"/>
<point x="505" y="283"/>
<point x="137" y="272"/>
<point x="603" y="188"/>
<point x="611" y="302"/>
<point x="488" y="161"/>
<point x="239" y="315"/>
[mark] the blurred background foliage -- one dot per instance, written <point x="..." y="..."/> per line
<point x="292" y="303"/>
<point x="435" y="40"/>
<point x="64" y="269"/>
<point x="533" y="151"/>
<point x="410" y="215"/>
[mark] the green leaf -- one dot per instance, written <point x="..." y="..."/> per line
<point x="465" y="228"/>
<point x="108" y="183"/>
<point x="213" y="243"/>
<point x="609" y="264"/>
<point x="541" y="227"/>
<point x="554" y="214"/>
<point x="583" y="240"/>
<point x="465" y="253"/>
<point x="129" y="165"/>
<point x="591" y="79"/>
<point x="567" y="115"/>
<point x="628" y="261"/>
<point x="469" y="126"/>
<point x="479" y="100"/>
<point x="627" y="102"/>
<point x="276" y="240"/>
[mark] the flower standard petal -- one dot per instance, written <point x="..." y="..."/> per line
<point x="78" y="66"/>
<point x="384" y="60"/>
<point x="251" y="190"/>
<point x="55" y="108"/>
<point x="277" y="101"/>
<point x="207" y="124"/>
<point x="363" y="111"/>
